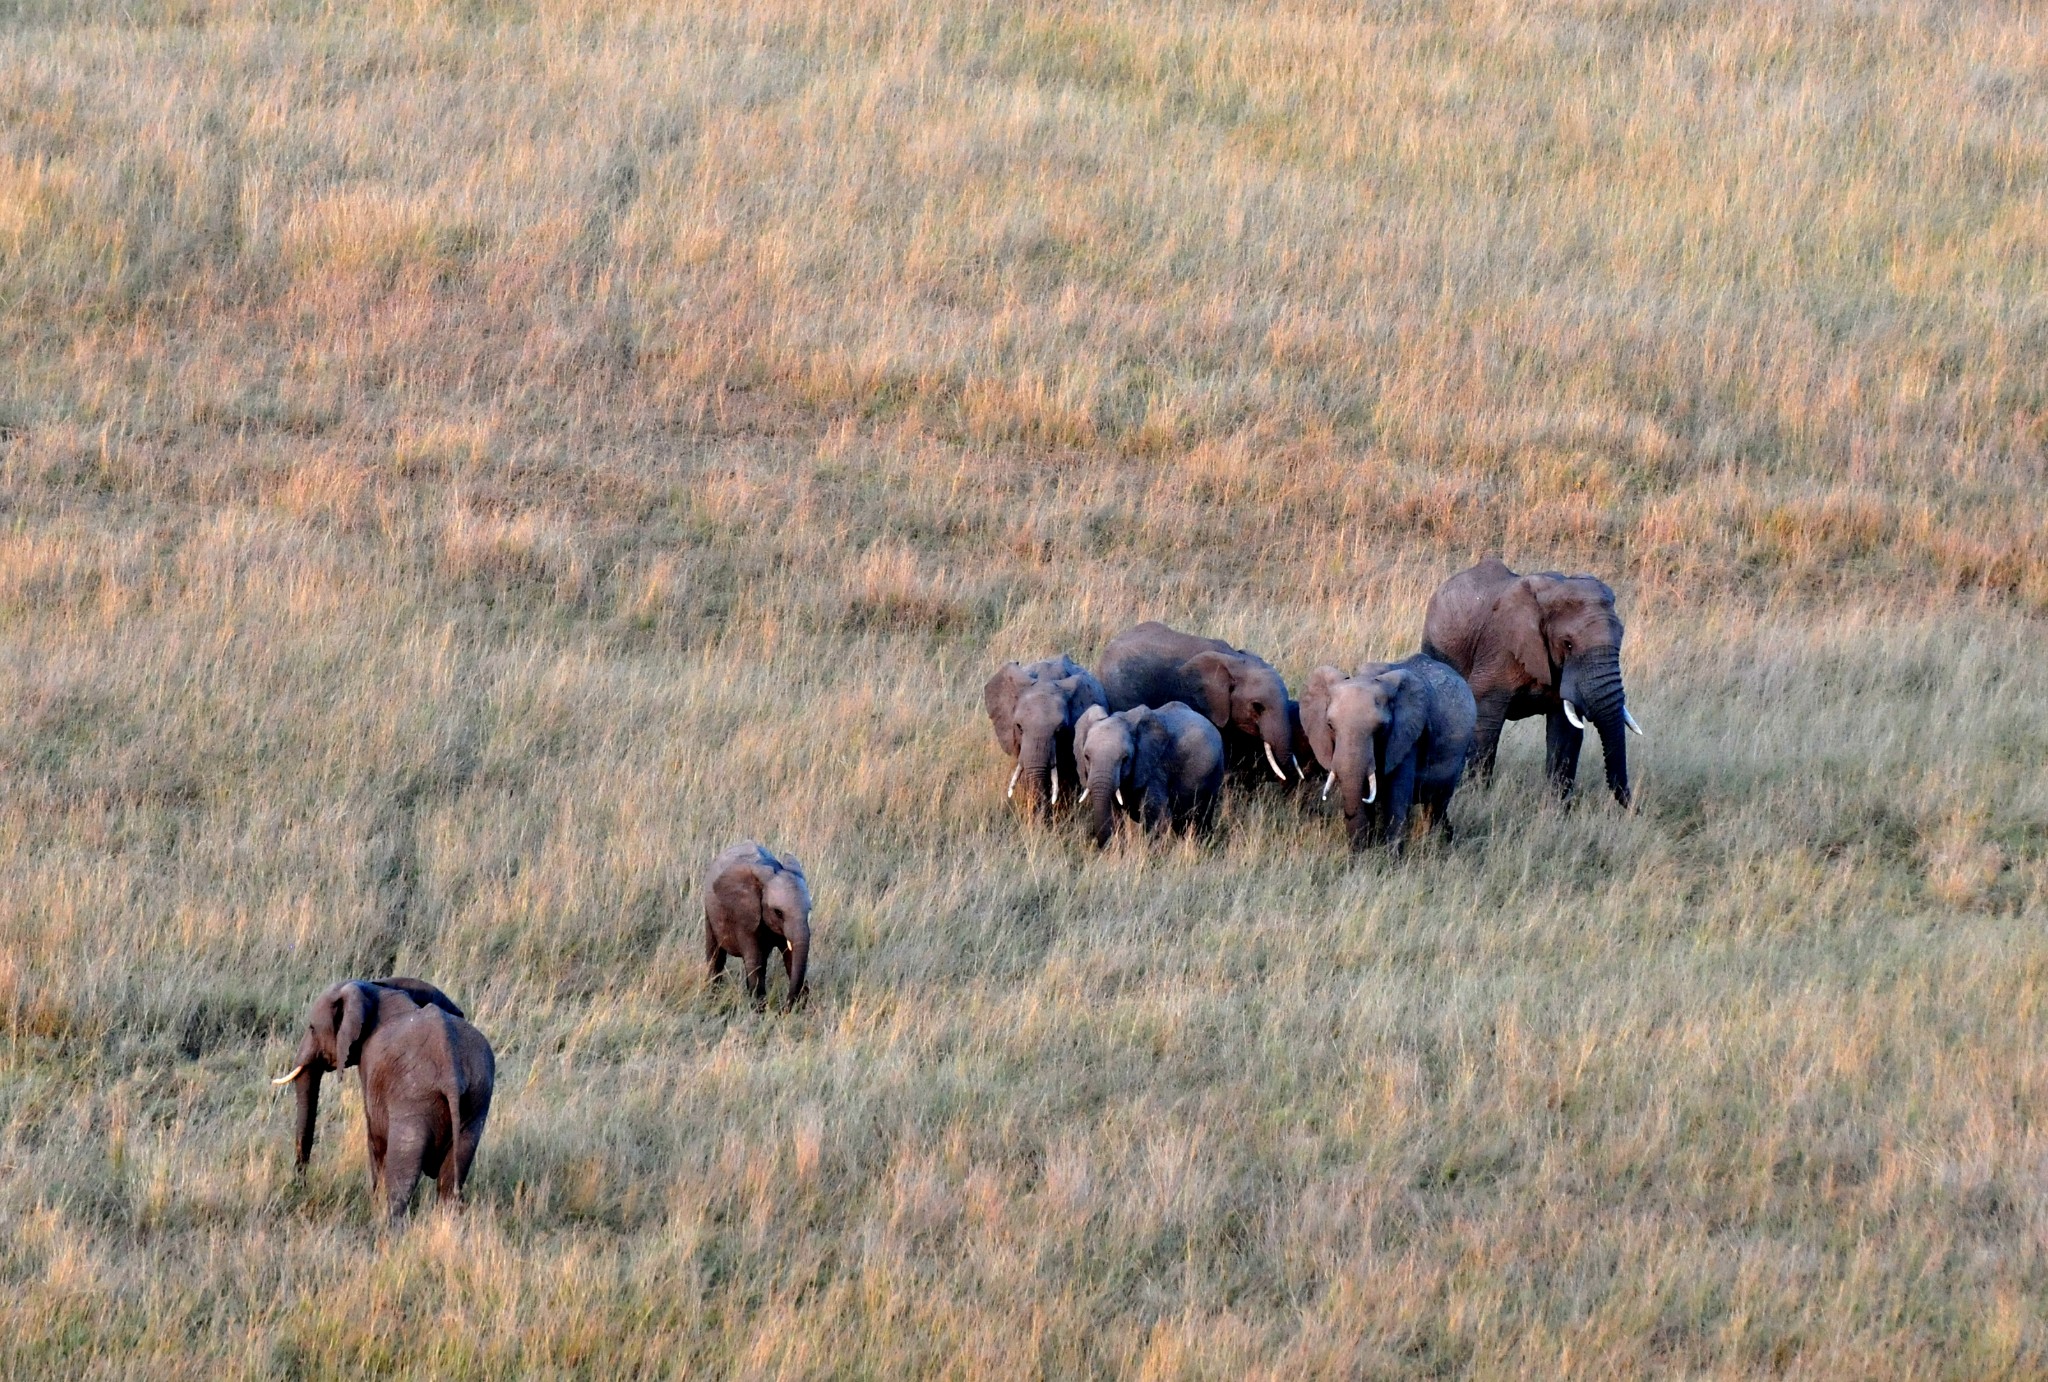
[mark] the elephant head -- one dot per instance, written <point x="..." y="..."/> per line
<point x="1565" y="634"/>
<point x="1106" y="749"/>
<point x="1358" y="725"/>
<point x="1241" y="691"/>
<point x="1033" y="709"/>
<point x="337" y="1024"/>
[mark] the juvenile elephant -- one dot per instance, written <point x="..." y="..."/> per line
<point x="1393" y="736"/>
<point x="427" y="1078"/>
<point x="755" y="903"/>
<point x="1240" y="692"/>
<point x="1541" y="644"/>
<point x="1033" y="707"/>
<point x="1162" y="766"/>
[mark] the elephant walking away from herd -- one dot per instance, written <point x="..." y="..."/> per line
<point x="1160" y="766"/>
<point x="757" y="902"/>
<point x="1393" y="736"/>
<point x="1033" y="708"/>
<point x="427" y="1079"/>
<point x="1152" y="665"/>
<point x="1542" y="644"/>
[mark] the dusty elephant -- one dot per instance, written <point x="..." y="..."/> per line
<point x="427" y="1078"/>
<point x="755" y="903"/>
<point x="1541" y="644"/>
<point x="1163" y="767"/>
<point x="1392" y="737"/>
<point x="1033" y="708"/>
<point x="1152" y="665"/>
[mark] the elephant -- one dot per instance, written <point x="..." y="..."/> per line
<point x="1152" y="665"/>
<point x="427" y="1078"/>
<point x="1033" y="707"/>
<point x="757" y="902"/>
<point x="1392" y="736"/>
<point x="1543" y="644"/>
<point x="1162" y="766"/>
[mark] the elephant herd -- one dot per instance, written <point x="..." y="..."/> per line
<point x="1152" y="733"/>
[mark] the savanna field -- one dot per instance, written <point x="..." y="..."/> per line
<point x="462" y="465"/>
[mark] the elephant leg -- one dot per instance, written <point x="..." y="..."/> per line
<point x="754" y="959"/>
<point x="465" y="1153"/>
<point x="714" y="956"/>
<point x="1561" y="752"/>
<point x="373" y="1126"/>
<point x="1493" y="713"/>
<point x="402" y="1168"/>
<point x="1400" y="801"/>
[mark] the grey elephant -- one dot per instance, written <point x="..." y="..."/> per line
<point x="1543" y="644"/>
<point x="1162" y="766"/>
<point x="1392" y="737"/>
<point x="757" y="902"/>
<point x="1033" y="708"/>
<point x="1240" y="692"/>
<point x="427" y="1078"/>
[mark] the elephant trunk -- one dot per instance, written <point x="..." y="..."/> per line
<point x="1104" y="777"/>
<point x="1357" y="779"/>
<point x="307" y="1086"/>
<point x="1038" y="760"/>
<point x="799" y="940"/>
<point x="1593" y="685"/>
<point x="1276" y="731"/>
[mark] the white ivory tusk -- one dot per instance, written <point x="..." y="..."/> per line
<point x="287" y="1079"/>
<point x="1295" y="763"/>
<point x="1084" y="795"/>
<point x="1328" y="783"/>
<point x="1013" y="779"/>
<point x="1055" y="786"/>
<point x="1628" y="718"/>
<point x="1119" y="796"/>
<point x="1270" y="758"/>
<point x="1571" y="712"/>
<point x="1372" y="786"/>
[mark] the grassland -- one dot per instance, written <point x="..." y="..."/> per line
<point x="460" y="465"/>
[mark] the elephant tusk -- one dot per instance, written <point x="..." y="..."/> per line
<point x="1270" y="758"/>
<point x="1084" y="795"/>
<point x="1013" y="779"/>
<point x="1295" y="763"/>
<point x="1628" y="718"/>
<point x="1055" y="786"/>
<point x="1571" y="712"/>
<point x="1119" y="796"/>
<point x="1328" y="783"/>
<point x="1372" y="787"/>
<point x="297" y="1070"/>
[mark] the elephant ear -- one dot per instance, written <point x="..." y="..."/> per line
<point x="1217" y="673"/>
<point x="1082" y="692"/>
<point x="1000" y="696"/>
<point x="1315" y="714"/>
<point x="355" y="1017"/>
<point x="1515" y="627"/>
<point x="1408" y="705"/>
<point x="1090" y="718"/>
<point x="738" y="888"/>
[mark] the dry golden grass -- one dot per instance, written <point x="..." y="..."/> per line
<point x="462" y="464"/>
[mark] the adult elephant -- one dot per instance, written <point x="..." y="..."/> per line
<point x="427" y="1080"/>
<point x="1543" y="644"/>
<point x="1033" y="706"/>
<point x="1392" y="736"/>
<point x="1153" y="665"/>
<point x="1163" y="767"/>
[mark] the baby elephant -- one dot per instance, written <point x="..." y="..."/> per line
<point x="1162" y="766"/>
<point x="754" y="903"/>
<point x="1392" y="737"/>
<point x="427" y="1077"/>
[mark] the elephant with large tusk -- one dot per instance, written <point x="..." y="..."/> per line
<point x="427" y="1078"/>
<point x="1543" y="644"/>
<point x="1243" y="696"/>
<point x="1394" y="736"/>
<point x="1032" y="707"/>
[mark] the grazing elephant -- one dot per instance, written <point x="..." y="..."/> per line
<point x="1242" y="695"/>
<point x="427" y="1078"/>
<point x="1163" y="766"/>
<point x="1545" y="645"/>
<point x="1033" y="707"/>
<point x="1394" y="735"/>
<point x="755" y="903"/>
